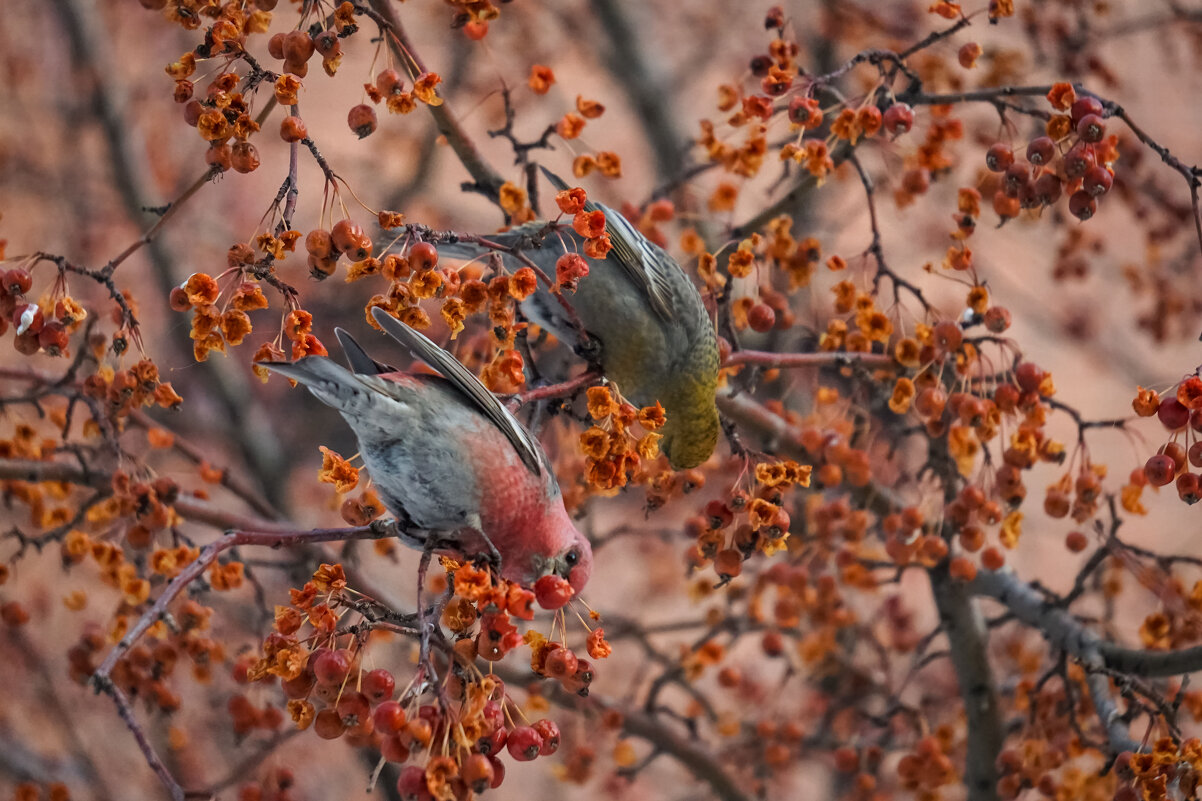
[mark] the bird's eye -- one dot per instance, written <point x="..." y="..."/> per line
<point x="571" y="558"/>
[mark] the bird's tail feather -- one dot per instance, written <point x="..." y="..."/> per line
<point x="329" y="382"/>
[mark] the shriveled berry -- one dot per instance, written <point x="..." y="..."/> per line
<point x="362" y="120"/>
<point x="549" y="731"/>
<point x="293" y="129"/>
<point x="244" y="157"/>
<point x="327" y="45"/>
<point x="298" y="47"/>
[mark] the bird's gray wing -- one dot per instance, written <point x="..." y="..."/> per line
<point x="648" y="266"/>
<point x="469" y="385"/>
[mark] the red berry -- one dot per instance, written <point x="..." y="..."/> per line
<point x="1082" y="205"/>
<point x="561" y="663"/>
<point x="524" y="743"/>
<point x="53" y="338"/>
<point x="300" y="686"/>
<point x="1194" y="454"/>
<point x="930" y="402"/>
<point x="389" y="82"/>
<point x="552" y="592"/>
<point x="326" y="44"/>
<point x="354" y="708"/>
<point x="331" y="667"/>
<point x="348" y="237"/>
<point x="389" y="717"/>
<point x="477" y="773"/>
<point x="393" y="750"/>
<point x="999" y="157"/>
<point x="997" y="319"/>
<point x="27" y="319"/>
<point x="498" y="770"/>
<point x="476" y="31"/>
<point x="1173" y="414"/>
<point x="378" y="685"/>
<point x="1078" y="160"/>
<point x="411" y="784"/>
<point x="1091" y="128"/>
<point x="1046" y="189"/>
<point x="1175" y="451"/>
<point x="1189" y="489"/>
<point x="1083" y="107"/>
<point x="1160" y="470"/>
<point x="1076" y="541"/>
<point x="549" y="731"/>
<point x="293" y="129"/>
<point x="1015" y="178"/>
<point x="1097" y="180"/>
<point x="1028" y="376"/>
<point x="899" y="119"/>
<point x="362" y="120"/>
<point x="297" y="47"/>
<point x="17" y="281"/>
<point x="1041" y="151"/>
<point x="761" y="317"/>
<point x="328" y="724"/>
<point x="275" y="46"/>
<point x="423" y="256"/>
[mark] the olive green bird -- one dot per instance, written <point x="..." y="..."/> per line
<point x="657" y="340"/>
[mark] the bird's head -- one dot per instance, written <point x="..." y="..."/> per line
<point x="564" y="552"/>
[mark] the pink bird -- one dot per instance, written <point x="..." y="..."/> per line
<point x="455" y="467"/>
